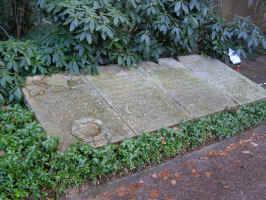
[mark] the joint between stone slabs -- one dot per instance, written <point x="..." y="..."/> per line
<point x="110" y="105"/>
<point x="143" y="73"/>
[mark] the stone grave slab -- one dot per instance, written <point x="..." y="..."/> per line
<point x="197" y="97"/>
<point x="226" y="80"/>
<point x="68" y="107"/>
<point x="142" y="105"/>
<point x="122" y="103"/>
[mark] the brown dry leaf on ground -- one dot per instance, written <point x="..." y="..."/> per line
<point x="121" y="191"/>
<point x="136" y="187"/>
<point x="154" y="176"/>
<point x="154" y="194"/>
<point x="212" y="154"/>
<point x="236" y="161"/>
<point x="186" y="165"/>
<point x="208" y="174"/>
<point x="246" y="152"/>
<point x="226" y="187"/>
<point x="195" y="173"/>
<point x="173" y="182"/>
<point x="164" y="175"/>
<point x="177" y="175"/>
<point x="107" y="195"/>
<point x="222" y="153"/>
<point x="163" y="140"/>
<point x="176" y="128"/>
<point x="168" y="198"/>
<point x="254" y="144"/>
<point x="231" y="147"/>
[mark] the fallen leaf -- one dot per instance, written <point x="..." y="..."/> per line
<point x="222" y="153"/>
<point x="186" y="114"/>
<point x="265" y="135"/>
<point x="231" y="147"/>
<point x="195" y="173"/>
<point x="154" y="176"/>
<point x="121" y="191"/>
<point x="164" y="175"/>
<point x="212" y="154"/>
<point x="186" y="165"/>
<point x="154" y="194"/>
<point x="168" y="198"/>
<point x="208" y="174"/>
<point x="162" y="140"/>
<point x="107" y="195"/>
<point x="136" y="187"/>
<point x="248" y="140"/>
<point x="241" y="141"/>
<point x="226" y="187"/>
<point x="173" y="182"/>
<point x="13" y="119"/>
<point x="254" y="144"/>
<point x="246" y="152"/>
<point x="177" y="175"/>
<point x="4" y="108"/>
<point x="176" y="128"/>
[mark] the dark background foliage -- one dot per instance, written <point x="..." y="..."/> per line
<point x="17" y="17"/>
<point x="79" y="35"/>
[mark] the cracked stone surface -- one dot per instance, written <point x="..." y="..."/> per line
<point x="122" y="103"/>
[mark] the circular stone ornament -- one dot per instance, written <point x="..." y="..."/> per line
<point x="87" y="128"/>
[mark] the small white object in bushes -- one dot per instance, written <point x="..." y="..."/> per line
<point x="235" y="59"/>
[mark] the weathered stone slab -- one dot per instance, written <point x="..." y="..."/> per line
<point x="137" y="99"/>
<point x="68" y="107"/>
<point x="197" y="97"/>
<point x="122" y="103"/>
<point x="226" y="80"/>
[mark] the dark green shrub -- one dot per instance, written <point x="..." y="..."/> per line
<point x="18" y="59"/>
<point x="217" y="37"/>
<point x="132" y="30"/>
<point x="91" y="33"/>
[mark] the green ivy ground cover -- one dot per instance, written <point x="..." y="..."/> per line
<point x="31" y="166"/>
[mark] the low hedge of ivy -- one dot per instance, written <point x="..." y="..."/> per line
<point x="31" y="166"/>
